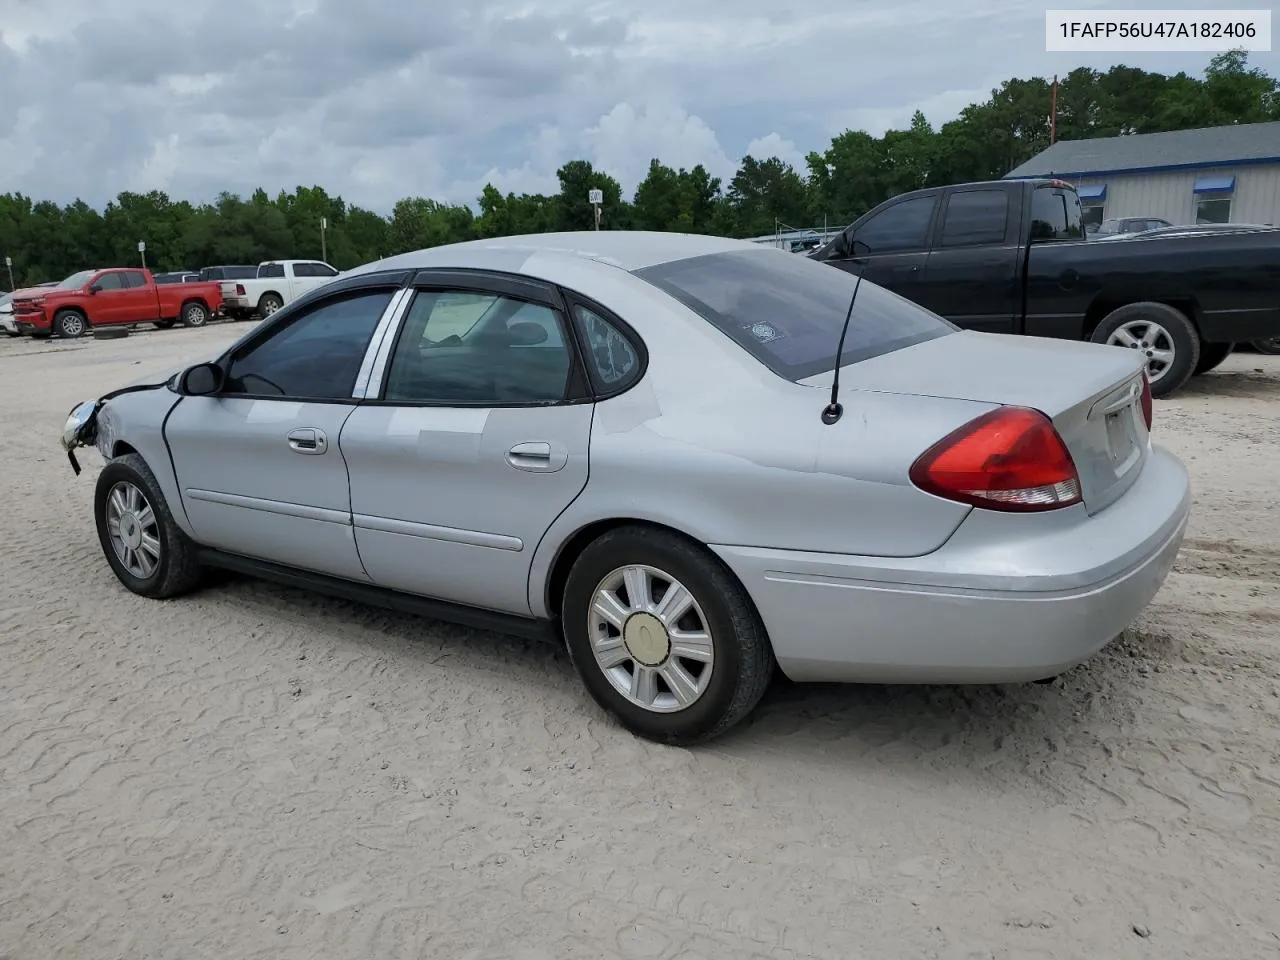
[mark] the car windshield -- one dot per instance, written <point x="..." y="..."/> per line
<point x="787" y="311"/>
<point x="75" y="281"/>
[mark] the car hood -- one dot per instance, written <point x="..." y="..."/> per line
<point x="1045" y="374"/>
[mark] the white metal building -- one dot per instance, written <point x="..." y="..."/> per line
<point x="1209" y="175"/>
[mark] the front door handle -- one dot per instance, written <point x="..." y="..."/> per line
<point x="537" y="456"/>
<point x="309" y="440"/>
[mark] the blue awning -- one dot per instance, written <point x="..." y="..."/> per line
<point x="1096" y="191"/>
<point x="1215" y="185"/>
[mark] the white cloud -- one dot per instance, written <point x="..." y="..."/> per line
<point x="775" y="145"/>
<point x="379" y="99"/>
<point x="625" y="139"/>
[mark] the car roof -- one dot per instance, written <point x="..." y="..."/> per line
<point x="628" y="249"/>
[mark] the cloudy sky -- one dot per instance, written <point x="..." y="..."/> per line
<point x="380" y="99"/>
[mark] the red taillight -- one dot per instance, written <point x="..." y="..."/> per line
<point x="1146" y="401"/>
<point x="239" y="289"/>
<point x="1009" y="459"/>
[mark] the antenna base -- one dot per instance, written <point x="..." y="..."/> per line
<point x="831" y="413"/>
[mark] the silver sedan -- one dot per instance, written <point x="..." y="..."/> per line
<point x="632" y="442"/>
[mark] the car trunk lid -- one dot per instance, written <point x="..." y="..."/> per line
<point x="1092" y="393"/>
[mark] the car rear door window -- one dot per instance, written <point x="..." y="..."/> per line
<point x="975" y="218"/>
<point x="314" y="356"/>
<point x="135" y="278"/>
<point x="271" y="271"/>
<point x="462" y="348"/>
<point x="1056" y="214"/>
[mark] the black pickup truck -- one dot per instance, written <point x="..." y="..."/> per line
<point x="1011" y="256"/>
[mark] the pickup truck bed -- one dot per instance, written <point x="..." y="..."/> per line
<point x="1010" y="256"/>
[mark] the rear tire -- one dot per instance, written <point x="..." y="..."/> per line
<point x="1270" y="346"/>
<point x="70" y="324"/>
<point x="1211" y="356"/>
<point x="194" y="314"/>
<point x="721" y="676"/>
<point x="147" y="550"/>
<point x="1164" y="333"/>
<point x="269" y="304"/>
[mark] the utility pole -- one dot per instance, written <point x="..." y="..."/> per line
<point x="1053" y="116"/>
<point x="324" y="249"/>
<point x="8" y="262"/>
<point x="142" y="250"/>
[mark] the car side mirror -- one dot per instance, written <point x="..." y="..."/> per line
<point x="527" y="334"/>
<point x="95" y="288"/>
<point x="201" y="380"/>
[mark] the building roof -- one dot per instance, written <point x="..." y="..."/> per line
<point x="1234" y="145"/>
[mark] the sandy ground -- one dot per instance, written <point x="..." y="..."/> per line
<point x="254" y="772"/>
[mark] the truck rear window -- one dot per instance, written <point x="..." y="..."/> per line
<point x="1055" y="214"/>
<point x="786" y="310"/>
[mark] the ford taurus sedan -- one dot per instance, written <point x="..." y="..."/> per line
<point x="632" y="442"/>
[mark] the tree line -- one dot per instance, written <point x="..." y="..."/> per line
<point x="855" y="172"/>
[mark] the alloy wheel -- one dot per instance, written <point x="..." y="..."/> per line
<point x="1152" y="339"/>
<point x="651" y="639"/>
<point x="133" y="529"/>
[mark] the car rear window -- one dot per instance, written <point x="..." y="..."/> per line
<point x="786" y="310"/>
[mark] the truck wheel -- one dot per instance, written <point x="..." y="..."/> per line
<point x="1270" y="346"/>
<point x="269" y="304"/>
<point x="194" y="314"/>
<point x="1211" y="356"/>
<point x="165" y="324"/>
<point x="70" y="324"/>
<point x="1163" y="334"/>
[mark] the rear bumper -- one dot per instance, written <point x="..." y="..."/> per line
<point x="1008" y="598"/>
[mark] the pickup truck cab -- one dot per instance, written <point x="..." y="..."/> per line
<point x="1011" y="256"/>
<point x="119" y="296"/>
<point x="277" y="282"/>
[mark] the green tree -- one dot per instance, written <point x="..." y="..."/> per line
<point x="852" y="174"/>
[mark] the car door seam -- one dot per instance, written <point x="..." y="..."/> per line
<point x="173" y="465"/>
<point x="546" y="532"/>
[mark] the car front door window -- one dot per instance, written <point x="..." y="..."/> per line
<point x="901" y="228"/>
<point x="315" y="356"/>
<point x="470" y="349"/>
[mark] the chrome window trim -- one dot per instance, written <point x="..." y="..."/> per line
<point x="375" y="356"/>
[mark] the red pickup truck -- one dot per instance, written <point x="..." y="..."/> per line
<point x="119" y="296"/>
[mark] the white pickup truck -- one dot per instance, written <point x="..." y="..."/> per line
<point x="277" y="282"/>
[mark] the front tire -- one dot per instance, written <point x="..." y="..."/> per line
<point x="663" y="636"/>
<point x="145" y="547"/>
<point x="70" y="324"/>
<point x="1163" y="333"/>
<point x="1211" y="356"/>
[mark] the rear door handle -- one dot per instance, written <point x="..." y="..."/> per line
<point x="309" y="440"/>
<point x="537" y="457"/>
